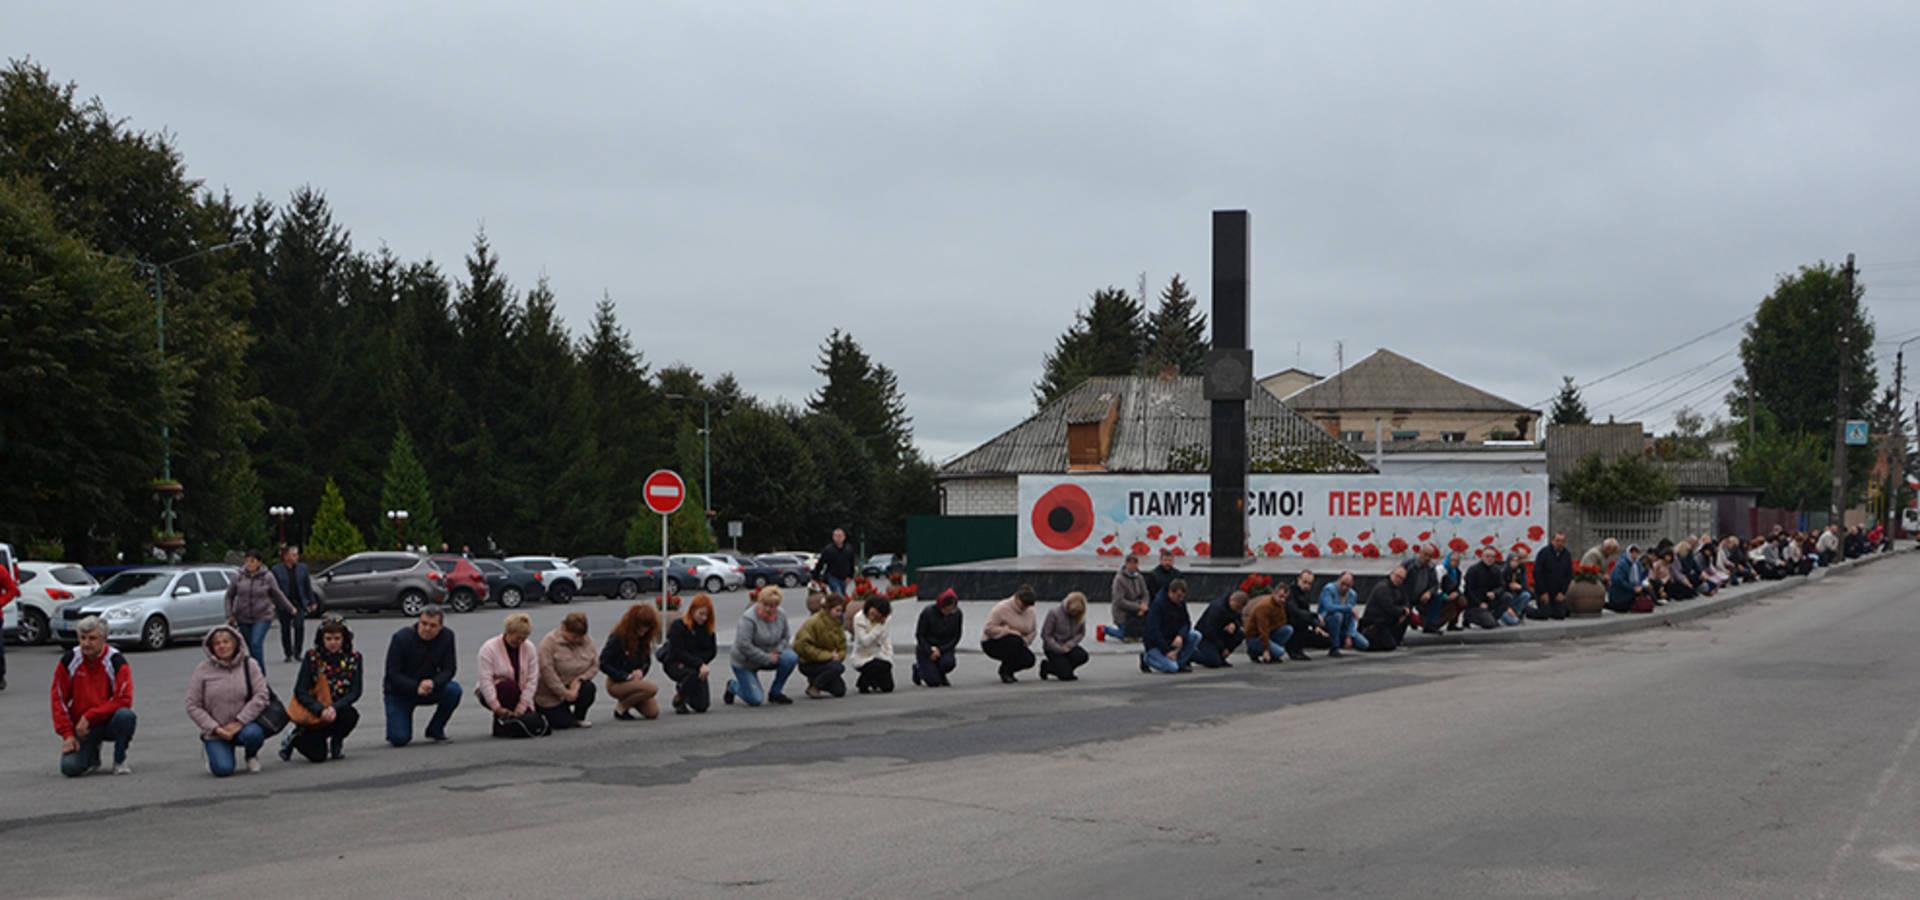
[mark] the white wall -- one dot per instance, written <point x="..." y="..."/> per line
<point x="982" y="497"/>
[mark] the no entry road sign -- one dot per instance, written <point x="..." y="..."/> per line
<point x="665" y="492"/>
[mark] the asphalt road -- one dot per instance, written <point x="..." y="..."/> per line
<point x="1767" y="752"/>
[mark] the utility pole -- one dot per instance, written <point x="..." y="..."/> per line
<point x="1836" y="510"/>
<point x="1895" y="448"/>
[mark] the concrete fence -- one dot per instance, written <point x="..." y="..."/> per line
<point x="1645" y="526"/>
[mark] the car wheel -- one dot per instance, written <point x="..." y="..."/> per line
<point x="463" y="600"/>
<point x="673" y="585"/>
<point x="511" y="597"/>
<point x="629" y="589"/>
<point x="34" y="629"/>
<point x="714" y="584"/>
<point x="561" y="592"/>
<point x="412" y="602"/>
<point x="155" y="634"/>
<point x="759" y="581"/>
<point x="790" y="580"/>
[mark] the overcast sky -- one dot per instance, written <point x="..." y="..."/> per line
<point x="1507" y="192"/>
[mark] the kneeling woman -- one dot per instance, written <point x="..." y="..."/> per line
<point x="873" y="647"/>
<point x="509" y="675"/>
<point x="1060" y="637"/>
<point x="625" y="661"/>
<point x="821" y="646"/>
<point x="690" y="648"/>
<point x="567" y="667"/>
<point x="760" y="642"/>
<point x="227" y="691"/>
<point x="324" y="694"/>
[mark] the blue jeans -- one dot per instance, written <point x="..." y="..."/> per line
<point x="220" y="753"/>
<point x="1160" y="662"/>
<point x="400" y="714"/>
<point x="1275" y="643"/>
<point x="1343" y="627"/>
<point x="834" y="586"/>
<point x="256" y="635"/>
<point x="1517" y="609"/>
<point x="746" y="682"/>
<point x="119" y="730"/>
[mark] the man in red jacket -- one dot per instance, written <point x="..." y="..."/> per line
<point x="9" y="591"/>
<point x="92" y="701"/>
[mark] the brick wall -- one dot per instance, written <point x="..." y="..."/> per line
<point x="981" y="497"/>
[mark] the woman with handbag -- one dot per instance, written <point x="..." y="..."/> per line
<point x="686" y="656"/>
<point x="227" y="692"/>
<point x="625" y="661"/>
<point x="324" y="694"/>
<point x="509" y="674"/>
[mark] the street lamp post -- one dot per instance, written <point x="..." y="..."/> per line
<point x="706" y="447"/>
<point x="398" y="517"/>
<point x="282" y="513"/>
<point x="160" y="326"/>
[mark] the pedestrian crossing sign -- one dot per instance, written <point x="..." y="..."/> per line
<point x="1856" y="432"/>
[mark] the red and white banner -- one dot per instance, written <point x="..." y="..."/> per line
<point x="1311" y="516"/>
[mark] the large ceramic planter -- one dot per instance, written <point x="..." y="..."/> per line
<point x="1586" y="598"/>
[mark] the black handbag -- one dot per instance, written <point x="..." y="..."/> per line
<point x="273" y="719"/>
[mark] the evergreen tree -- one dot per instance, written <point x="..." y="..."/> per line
<point x="333" y="535"/>
<point x="687" y="530"/>
<point x="863" y="395"/>
<point x="630" y="442"/>
<point x="1107" y="338"/>
<point x="763" y="477"/>
<point x="1568" y="408"/>
<point x="405" y="487"/>
<point x="1176" y="332"/>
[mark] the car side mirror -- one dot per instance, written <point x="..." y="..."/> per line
<point x="182" y="591"/>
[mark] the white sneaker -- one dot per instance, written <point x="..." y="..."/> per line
<point x="253" y="765"/>
<point x="122" y="769"/>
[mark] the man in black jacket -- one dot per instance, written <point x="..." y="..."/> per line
<point x="835" y="566"/>
<point x="1302" y="615"/>
<point x="1552" y="576"/>
<point x="1384" y="624"/>
<point x="1160" y="576"/>
<point x="1423" y="587"/>
<point x="1484" y="594"/>
<point x="420" y="667"/>
<point x="295" y="582"/>
<point x="1220" y="630"/>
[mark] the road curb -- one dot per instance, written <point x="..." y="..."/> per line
<point x="1612" y="623"/>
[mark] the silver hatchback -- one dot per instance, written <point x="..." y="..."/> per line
<point x="380" y="580"/>
<point x="148" y="607"/>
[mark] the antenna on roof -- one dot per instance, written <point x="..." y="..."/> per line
<point x="1340" y="365"/>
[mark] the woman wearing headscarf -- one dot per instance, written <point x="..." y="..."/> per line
<point x="690" y="651"/>
<point x="935" y="638"/>
<point x="625" y="661"/>
<point x="325" y="691"/>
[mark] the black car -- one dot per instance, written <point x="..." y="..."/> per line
<point x="611" y="576"/>
<point x="881" y="565"/>
<point x="786" y="571"/>
<point x="508" y="584"/>
<point x="758" y="574"/>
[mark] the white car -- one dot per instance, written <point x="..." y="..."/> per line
<point x="716" y="574"/>
<point x="559" y="575"/>
<point x="44" y="587"/>
<point x="9" y="614"/>
<point x="806" y="558"/>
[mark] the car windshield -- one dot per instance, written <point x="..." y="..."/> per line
<point x="778" y="561"/>
<point x="73" y="575"/>
<point x="135" y="584"/>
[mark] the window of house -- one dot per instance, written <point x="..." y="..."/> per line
<point x="1353" y="435"/>
<point x="1453" y="437"/>
<point x="1406" y="435"/>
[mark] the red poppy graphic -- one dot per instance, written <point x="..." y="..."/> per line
<point x="1177" y="552"/>
<point x="1270" y="548"/>
<point x="1305" y="535"/>
<point x="1521" y="548"/>
<point x="1370" y="551"/>
<point x="1063" y="517"/>
<point x="1364" y="535"/>
<point x="1173" y="539"/>
<point x="1424" y="535"/>
<point x="1397" y="545"/>
<point x="1487" y="541"/>
<point x="1201" y="549"/>
<point x="1285" y="533"/>
<point x="1153" y="532"/>
<point x="1140" y="548"/>
<point x="1458" y="544"/>
<point x="1535" y="533"/>
<point x="1310" y="551"/>
<point x="1337" y="546"/>
<point x="1108" y="539"/>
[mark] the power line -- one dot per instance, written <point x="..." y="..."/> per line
<point x="1670" y="350"/>
<point x="1674" y="394"/>
<point x="1686" y="373"/>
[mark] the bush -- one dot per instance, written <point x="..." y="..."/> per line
<point x="1628" y="482"/>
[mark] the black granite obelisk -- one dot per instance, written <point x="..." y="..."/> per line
<point x="1228" y="385"/>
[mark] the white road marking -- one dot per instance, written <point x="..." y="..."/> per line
<point x="1873" y="803"/>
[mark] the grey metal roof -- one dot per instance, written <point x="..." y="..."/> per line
<point x="1387" y="380"/>
<point x="1162" y="426"/>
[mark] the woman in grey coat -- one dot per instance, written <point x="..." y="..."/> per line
<point x="1129" y="600"/>
<point x="761" y="642"/>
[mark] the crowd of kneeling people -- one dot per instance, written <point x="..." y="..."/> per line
<point x="534" y="688"/>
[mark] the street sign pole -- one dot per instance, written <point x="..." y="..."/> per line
<point x="664" y="491"/>
<point x="666" y="561"/>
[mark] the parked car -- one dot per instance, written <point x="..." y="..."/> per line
<point x="716" y="574"/>
<point x="150" y="606"/>
<point x="466" y="587"/>
<point x="510" y="585"/>
<point x="789" y="571"/>
<point x="563" y="580"/>
<point x="611" y="576"/>
<point x="9" y="614"/>
<point x="44" y="587"/>
<point x="756" y="573"/>
<point x="807" y="558"/>
<point x="380" y="580"/>
<point x="679" y="574"/>
<point x="880" y="565"/>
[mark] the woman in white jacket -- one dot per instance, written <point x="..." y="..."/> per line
<point x="872" y="654"/>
